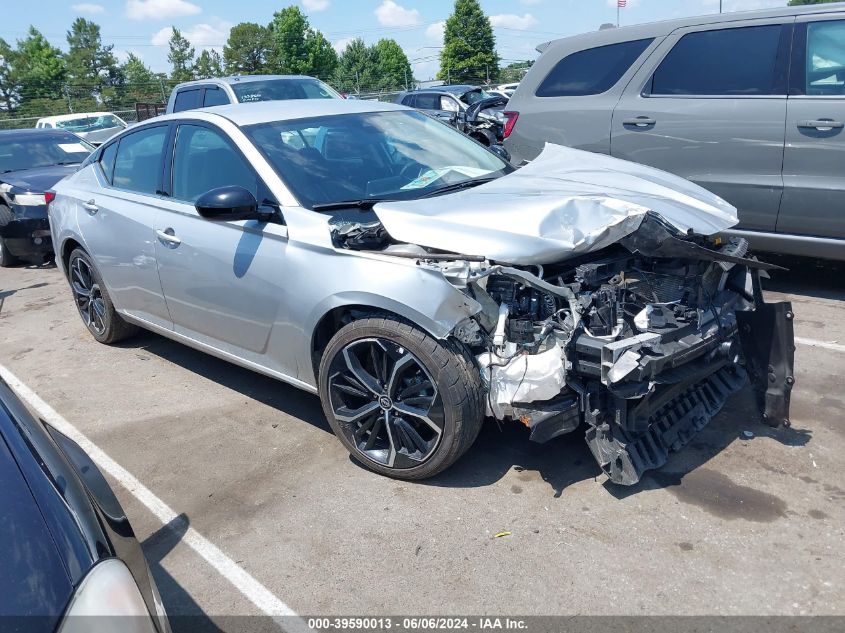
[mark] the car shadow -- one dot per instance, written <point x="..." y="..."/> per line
<point x="269" y="391"/>
<point x="805" y="276"/>
<point x="183" y="611"/>
<point x="501" y="446"/>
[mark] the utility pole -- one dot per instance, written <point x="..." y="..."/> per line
<point x="406" y="79"/>
<point x="720" y="6"/>
<point x="67" y="95"/>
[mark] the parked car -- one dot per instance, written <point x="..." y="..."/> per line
<point x="750" y="105"/>
<point x="205" y="93"/>
<point x="70" y="559"/>
<point x="507" y="89"/>
<point x="452" y="103"/>
<point x="94" y="127"/>
<point x="31" y="162"/>
<point x="415" y="281"/>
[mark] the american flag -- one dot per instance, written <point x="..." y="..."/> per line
<point x="621" y="3"/>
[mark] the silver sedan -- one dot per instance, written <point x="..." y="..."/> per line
<point x="418" y="283"/>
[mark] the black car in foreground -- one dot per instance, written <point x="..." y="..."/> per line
<point x="69" y="560"/>
<point x="31" y="162"/>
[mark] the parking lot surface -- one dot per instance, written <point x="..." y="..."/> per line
<point x="729" y="526"/>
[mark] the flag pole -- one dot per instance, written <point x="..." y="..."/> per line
<point x="617" y="14"/>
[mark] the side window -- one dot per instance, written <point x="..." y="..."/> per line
<point x="409" y="100"/>
<point x="727" y="62"/>
<point x="428" y="102"/>
<point x="449" y="104"/>
<point x="187" y="100"/>
<point x="203" y="160"/>
<point x="592" y="71"/>
<point x="137" y="166"/>
<point x="825" y="59"/>
<point x="107" y="160"/>
<point x="214" y="97"/>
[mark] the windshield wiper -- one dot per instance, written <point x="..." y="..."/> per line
<point x="457" y="186"/>
<point x="367" y="203"/>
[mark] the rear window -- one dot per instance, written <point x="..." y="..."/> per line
<point x="187" y="100"/>
<point x="214" y="97"/>
<point x="737" y="62"/>
<point x="137" y="166"/>
<point x="592" y="71"/>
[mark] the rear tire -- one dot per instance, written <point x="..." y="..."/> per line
<point x="93" y="301"/>
<point x="6" y="258"/>
<point x="403" y="403"/>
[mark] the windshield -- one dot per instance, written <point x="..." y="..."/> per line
<point x="27" y="152"/>
<point x="375" y="155"/>
<point x="283" y="89"/>
<point x="91" y="123"/>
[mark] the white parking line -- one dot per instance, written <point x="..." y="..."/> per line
<point x="252" y="589"/>
<point x="814" y="343"/>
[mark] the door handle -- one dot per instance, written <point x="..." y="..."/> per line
<point x="640" y="121"/>
<point x="822" y="124"/>
<point x="168" y="236"/>
<point x="90" y="207"/>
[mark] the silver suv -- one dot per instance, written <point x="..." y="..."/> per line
<point x="749" y="105"/>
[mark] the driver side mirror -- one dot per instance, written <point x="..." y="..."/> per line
<point x="230" y="203"/>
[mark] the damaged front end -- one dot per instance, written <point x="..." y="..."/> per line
<point x="603" y="303"/>
<point x="643" y="343"/>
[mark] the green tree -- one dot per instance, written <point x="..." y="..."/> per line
<point x="8" y="81"/>
<point x="393" y="67"/>
<point x="289" y="54"/>
<point x="40" y="71"/>
<point x="296" y="48"/>
<point x="469" y="46"/>
<point x="209" y="64"/>
<point x="141" y="84"/>
<point x="514" y="72"/>
<point x="89" y="62"/>
<point x="181" y="57"/>
<point x="322" y="58"/>
<point x="356" y="68"/>
<point x="247" y="50"/>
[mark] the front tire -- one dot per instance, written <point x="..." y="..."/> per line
<point x="404" y="404"/>
<point x="93" y="301"/>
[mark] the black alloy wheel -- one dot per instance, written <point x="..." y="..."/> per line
<point x="88" y="296"/>
<point x="93" y="302"/>
<point x="386" y="402"/>
<point x="404" y="403"/>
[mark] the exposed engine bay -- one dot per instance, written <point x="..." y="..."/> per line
<point x="640" y="342"/>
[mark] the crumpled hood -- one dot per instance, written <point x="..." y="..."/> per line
<point x="38" y="179"/>
<point x="565" y="203"/>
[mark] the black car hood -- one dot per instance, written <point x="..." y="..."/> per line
<point x="38" y="179"/>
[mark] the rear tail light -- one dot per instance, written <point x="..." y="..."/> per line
<point x="49" y="196"/>
<point x="510" y="121"/>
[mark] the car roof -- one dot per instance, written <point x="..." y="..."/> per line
<point x="665" y="27"/>
<point x="29" y="133"/>
<point x="71" y="117"/>
<point x="288" y="110"/>
<point x="453" y="89"/>
<point x="241" y="79"/>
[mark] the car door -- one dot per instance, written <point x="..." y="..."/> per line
<point x="814" y="158"/>
<point x="710" y="106"/>
<point x="116" y="217"/>
<point x="223" y="281"/>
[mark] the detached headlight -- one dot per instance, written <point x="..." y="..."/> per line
<point x="107" y="600"/>
<point x="29" y="199"/>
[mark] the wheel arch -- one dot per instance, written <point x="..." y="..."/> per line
<point x="68" y="245"/>
<point x="333" y="318"/>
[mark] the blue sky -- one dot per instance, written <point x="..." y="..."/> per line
<point x="143" y="26"/>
